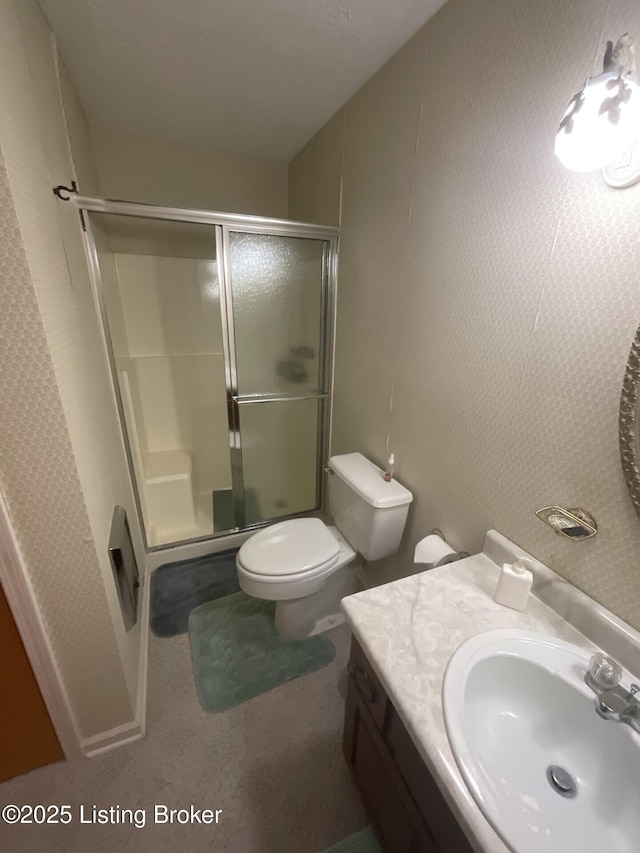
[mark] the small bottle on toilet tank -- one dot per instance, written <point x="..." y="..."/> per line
<point x="514" y="585"/>
<point x="388" y="474"/>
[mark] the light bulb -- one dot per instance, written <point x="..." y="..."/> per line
<point x="600" y="123"/>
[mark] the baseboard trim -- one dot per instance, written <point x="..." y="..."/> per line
<point x="111" y="739"/>
<point x="135" y="730"/>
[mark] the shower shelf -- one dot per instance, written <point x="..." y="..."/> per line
<point x="169" y="488"/>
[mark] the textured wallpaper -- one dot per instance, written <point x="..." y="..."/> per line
<point x="62" y="461"/>
<point x="486" y="292"/>
<point x="39" y="480"/>
<point x="315" y="176"/>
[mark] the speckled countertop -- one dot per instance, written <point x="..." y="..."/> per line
<point x="410" y="628"/>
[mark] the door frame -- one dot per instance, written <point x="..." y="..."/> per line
<point x="222" y="223"/>
<point x="26" y="614"/>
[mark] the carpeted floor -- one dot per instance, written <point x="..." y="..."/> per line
<point x="273" y="765"/>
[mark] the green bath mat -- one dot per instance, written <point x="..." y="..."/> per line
<point x="237" y="653"/>
<point x="364" y="841"/>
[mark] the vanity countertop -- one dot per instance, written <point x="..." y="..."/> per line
<point x="410" y="628"/>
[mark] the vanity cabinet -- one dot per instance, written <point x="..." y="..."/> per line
<point x="400" y="795"/>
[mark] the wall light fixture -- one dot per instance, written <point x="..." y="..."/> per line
<point x="602" y="122"/>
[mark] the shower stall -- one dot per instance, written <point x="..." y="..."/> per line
<point x="219" y="334"/>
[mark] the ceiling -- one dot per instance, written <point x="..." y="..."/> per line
<point x="258" y="77"/>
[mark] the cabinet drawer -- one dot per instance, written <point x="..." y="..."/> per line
<point x="368" y="685"/>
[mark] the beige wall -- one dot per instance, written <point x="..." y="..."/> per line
<point x="315" y="176"/>
<point x="78" y="133"/>
<point x="63" y="466"/>
<point x="153" y="171"/>
<point x="494" y="292"/>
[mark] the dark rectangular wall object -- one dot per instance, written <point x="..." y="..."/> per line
<point x="125" y="568"/>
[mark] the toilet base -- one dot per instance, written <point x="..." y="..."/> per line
<point x="312" y="614"/>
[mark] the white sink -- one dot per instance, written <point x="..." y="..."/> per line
<point x="515" y="704"/>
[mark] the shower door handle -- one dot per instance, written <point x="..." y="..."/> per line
<point x="266" y="398"/>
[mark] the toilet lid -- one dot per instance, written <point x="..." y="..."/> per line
<point x="289" y="547"/>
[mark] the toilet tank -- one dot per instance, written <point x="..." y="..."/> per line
<point x="369" y="512"/>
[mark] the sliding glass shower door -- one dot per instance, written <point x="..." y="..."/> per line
<point x="161" y="297"/>
<point x="219" y="342"/>
<point x="278" y="292"/>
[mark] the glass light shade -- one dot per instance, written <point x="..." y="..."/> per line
<point x="588" y="138"/>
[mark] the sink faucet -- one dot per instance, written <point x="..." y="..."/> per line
<point x="613" y="702"/>
<point x="631" y="714"/>
<point x="620" y="704"/>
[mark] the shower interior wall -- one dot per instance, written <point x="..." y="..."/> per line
<point x="161" y="291"/>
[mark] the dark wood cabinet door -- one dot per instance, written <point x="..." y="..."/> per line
<point x="401" y="797"/>
<point x="388" y="802"/>
<point x="392" y="821"/>
<point x="432" y="805"/>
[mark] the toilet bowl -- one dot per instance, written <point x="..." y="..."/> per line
<point x="302" y="565"/>
<point x="308" y="567"/>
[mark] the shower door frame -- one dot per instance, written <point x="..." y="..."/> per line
<point x="222" y="224"/>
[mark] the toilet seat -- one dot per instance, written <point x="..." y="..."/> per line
<point x="289" y="550"/>
<point x="316" y="572"/>
<point x="301" y="559"/>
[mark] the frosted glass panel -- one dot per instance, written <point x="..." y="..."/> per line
<point x="279" y="457"/>
<point x="277" y="285"/>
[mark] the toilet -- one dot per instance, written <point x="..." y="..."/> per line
<point x="306" y="566"/>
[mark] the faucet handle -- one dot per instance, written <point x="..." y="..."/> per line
<point x="634" y="689"/>
<point x="604" y="673"/>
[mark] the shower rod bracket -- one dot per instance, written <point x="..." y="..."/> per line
<point x="57" y="191"/>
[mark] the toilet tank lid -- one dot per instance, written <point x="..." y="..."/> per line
<point x="367" y="480"/>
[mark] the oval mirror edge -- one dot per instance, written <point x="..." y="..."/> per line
<point x="629" y="422"/>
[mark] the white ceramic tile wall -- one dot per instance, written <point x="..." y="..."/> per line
<point x="172" y="174"/>
<point x="495" y="292"/>
<point x="63" y="468"/>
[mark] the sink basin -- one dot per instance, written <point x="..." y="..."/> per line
<point x="515" y="706"/>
